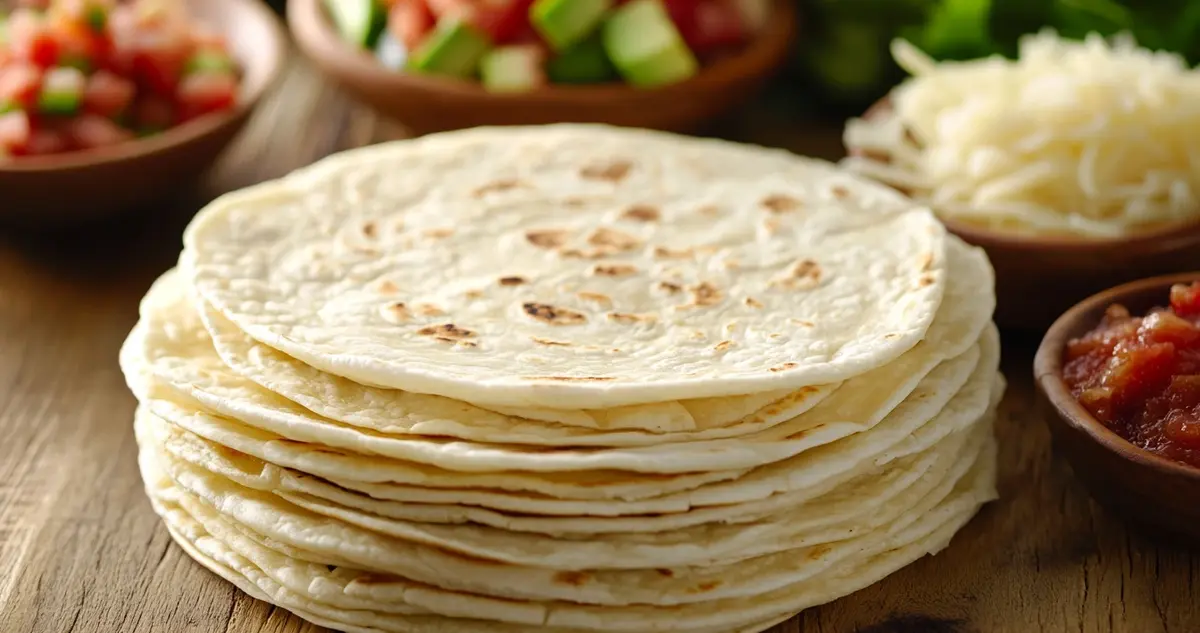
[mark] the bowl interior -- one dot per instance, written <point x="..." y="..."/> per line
<point x="256" y="41"/>
<point x="317" y="35"/>
<point x="1139" y="297"/>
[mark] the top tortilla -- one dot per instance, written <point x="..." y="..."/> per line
<point x="573" y="267"/>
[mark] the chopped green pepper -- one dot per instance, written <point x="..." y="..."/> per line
<point x="62" y="91"/>
<point x="96" y="18"/>
<point x="79" y="62"/>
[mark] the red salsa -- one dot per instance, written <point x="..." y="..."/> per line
<point x="79" y="74"/>
<point x="1140" y="376"/>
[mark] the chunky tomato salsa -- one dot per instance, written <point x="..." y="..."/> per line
<point x="1140" y="376"/>
<point x="80" y="74"/>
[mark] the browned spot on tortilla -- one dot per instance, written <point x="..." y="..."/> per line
<point x="731" y="264"/>
<point x="723" y="345"/>
<point x="387" y="287"/>
<point x="457" y="342"/>
<point x="438" y="233"/>
<point x="705" y="294"/>
<point x="369" y="229"/>
<point x="669" y="287"/>
<point x="818" y="551"/>
<point x="621" y="317"/>
<point x="446" y="331"/>
<point x="398" y="311"/>
<point x="804" y="274"/>
<point x="662" y="252"/>
<point x="665" y="572"/>
<point x="751" y="302"/>
<point x="697" y="335"/>
<point x="926" y="262"/>
<point x="378" y="579"/>
<point x="549" y="343"/>
<point x="614" y="270"/>
<point x="547" y="238"/>
<point x="774" y="336"/>
<point x="783" y="367"/>
<point x="802" y="322"/>
<point x="911" y="137"/>
<point x="705" y="586"/>
<point x="780" y="203"/>
<point x="641" y="213"/>
<point x="891" y="335"/>
<point x="771" y="226"/>
<point x="840" y="192"/>
<point x="709" y="210"/>
<point x="473" y="294"/>
<point x="496" y="187"/>
<point x="612" y="239"/>
<point x="512" y="281"/>
<point x="428" y="309"/>
<point x="573" y="578"/>
<point x="925" y="280"/>
<point x="366" y="250"/>
<point x="553" y="315"/>
<point x="575" y="202"/>
<point x="595" y="297"/>
<point x="615" y="171"/>
<point x="571" y="378"/>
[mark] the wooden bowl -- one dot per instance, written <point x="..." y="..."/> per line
<point x="1038" y="278"/>
<point x="1140" y="486"/>
<point x="427" y="103"/>
<point x="77" y="187"/>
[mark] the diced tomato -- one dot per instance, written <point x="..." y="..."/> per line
<point x="15" y="130"/>
<point x="1185" y="299"/>
<point x="707" y="25"/>
<point x="151" y="112"/>
<point x="90" y="131"/>
<point x="20" y="83"/>
<point x="77" y="44"/>
<point x="107" y="94"/>
<point x="30" y="39"/>
<point x="47" y="140"/>
<point x="503" y="20"/>
<point x="409" y="21"/>
<point x="206" y="92"/>
<point x="158" y="60"/>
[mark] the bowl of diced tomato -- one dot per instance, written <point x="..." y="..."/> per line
<point x="445" y="64"/>
<point x="110" y="105"/>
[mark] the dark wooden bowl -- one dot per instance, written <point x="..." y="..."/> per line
<point x="1037" y="278"/>
<point x="74" y="188"/>
<point x="432" y="104"/>
<point x="1136" y="484"/>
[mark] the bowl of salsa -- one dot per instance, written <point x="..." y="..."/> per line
<point x="107" y="105"/>
<point x="1118" y="378"/>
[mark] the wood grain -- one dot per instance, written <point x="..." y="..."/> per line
<point x="81" y="551"/>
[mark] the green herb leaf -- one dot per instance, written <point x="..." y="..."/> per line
<point x="958" y="29"/>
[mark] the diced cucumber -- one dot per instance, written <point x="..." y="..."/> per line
<point x="208" y="61"/>
<point x="7" y="106"/>
<point x="359" y="21"/>
<point x="564" y="23"/>
<point x="62" y="91"/>
<point x="513" y="69"/>
<point x="645" y="46"/>
<point x="585" y="62"/>
<point x="454" y="48"/>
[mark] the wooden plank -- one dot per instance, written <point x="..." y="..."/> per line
<point x="81" y="551"/>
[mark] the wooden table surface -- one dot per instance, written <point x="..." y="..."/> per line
<point x="81" y="551"/>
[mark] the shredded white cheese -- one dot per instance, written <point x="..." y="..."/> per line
<point x="1095" y="138"/>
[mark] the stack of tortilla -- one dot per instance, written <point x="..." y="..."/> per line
<point x="568" y="378"/>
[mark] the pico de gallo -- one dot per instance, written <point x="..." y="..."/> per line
<point x="519" y="45"/>
<point x="1140" y="376"/>
<point x="82" y="74"/>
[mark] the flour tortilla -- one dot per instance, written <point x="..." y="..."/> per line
<point x="866" y="503"/>
<point x="277" y="519"/>
<point x="860" y="403"/>
<point x="327" y="585"/>
<point x="453" y="265"/>
<point x="805" y="476"/>
<point x="968" y="304"/>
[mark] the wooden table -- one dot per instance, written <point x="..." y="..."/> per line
<point x="81" y="551"/>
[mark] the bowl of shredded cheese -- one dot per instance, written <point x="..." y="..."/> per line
<point x="1075" y="165"/>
